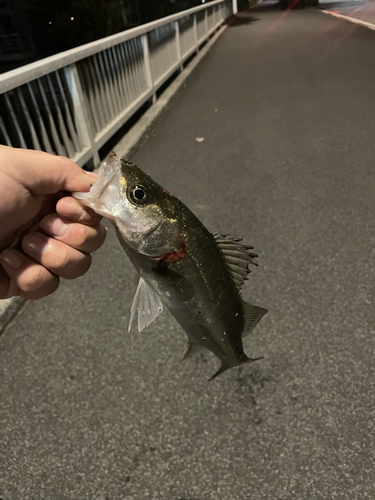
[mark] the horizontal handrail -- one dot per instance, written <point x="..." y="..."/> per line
<point x="72" y="103"/>
<point x="24" y="74"/>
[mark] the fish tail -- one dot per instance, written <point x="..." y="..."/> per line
<point x="251" y="360"/>
<point x="224" y="367"/>
<point x="221" y="370"/>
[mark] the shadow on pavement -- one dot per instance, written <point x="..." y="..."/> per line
<point x="240" y="20"/>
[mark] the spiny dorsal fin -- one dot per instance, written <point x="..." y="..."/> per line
<point x="253" y="314"/>
<point x="237" y="257"/>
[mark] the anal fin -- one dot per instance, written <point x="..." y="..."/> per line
<point x="191" y="349"/>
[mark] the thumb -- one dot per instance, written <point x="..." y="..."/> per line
<point x="42" y="173"/>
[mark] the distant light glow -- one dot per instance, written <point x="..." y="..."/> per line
<point x="50" y="22"/>
<point x="72" y="18"/>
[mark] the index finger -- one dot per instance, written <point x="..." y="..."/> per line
<point x="70" y="208"/>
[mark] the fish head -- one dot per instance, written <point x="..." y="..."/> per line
<point x="144" y="213"/>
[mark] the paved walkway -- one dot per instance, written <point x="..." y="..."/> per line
<point x="285" y="104"/>
<point x="362" y="12"/>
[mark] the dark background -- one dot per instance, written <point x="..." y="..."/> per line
<point x="33" y="29"/>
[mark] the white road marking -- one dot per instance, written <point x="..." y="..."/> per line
<point x="351" y="19"/>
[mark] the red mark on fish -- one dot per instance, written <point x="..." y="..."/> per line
<point x="172" y="257"/>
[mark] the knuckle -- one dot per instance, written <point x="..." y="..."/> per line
<point x="92" y="216"/>
<point x="61" y="260"/>
<point x="8" y="288"/>
<point x="99" y="236"/>
<point x="81" y="235"/>
<point x="64" y="161"/>
<point x="48" y="288"/>
<point x="102" y="231"/>
<point x="78" y="268"/>
<point x="35" y="278"/>
<point x="75" y="236"/>
<point x="87" y="238"/>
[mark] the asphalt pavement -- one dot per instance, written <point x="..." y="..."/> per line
<point x="357" y="11"/>
<point x="284" y="103"/>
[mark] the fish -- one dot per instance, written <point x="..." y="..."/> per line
<point x="196" y="274"/>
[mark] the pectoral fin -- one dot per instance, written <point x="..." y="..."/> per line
<point x="146" y="304"/>
<point x="179" y="287"/>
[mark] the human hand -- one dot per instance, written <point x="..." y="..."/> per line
<point x="44" y="235"/>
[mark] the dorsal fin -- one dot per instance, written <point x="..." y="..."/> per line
<point x="253" y="314"/>
<point x="237" y="257"/>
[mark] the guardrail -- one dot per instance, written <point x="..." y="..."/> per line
<point x="72" y="103"/>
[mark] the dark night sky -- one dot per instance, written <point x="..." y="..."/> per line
<point x="47" y="27"/>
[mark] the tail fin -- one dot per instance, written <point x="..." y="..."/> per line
<point x="224" y="367"/>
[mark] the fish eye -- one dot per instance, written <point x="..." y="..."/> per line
<point x="137" y="195"/>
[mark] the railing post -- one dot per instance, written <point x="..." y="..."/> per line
<point x="5" y="133"/>
<point x="178" y="46"/>
<point x="89" y="92"/>
<point x="85" y="128"/>
<point x="15" y="121"/>
<point x="234" y="5"/>
<point x="195" y="31"/>
<point x="148" y="73"/>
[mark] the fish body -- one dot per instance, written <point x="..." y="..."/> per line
<point x="195" y="274"/>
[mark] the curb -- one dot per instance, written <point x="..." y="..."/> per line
<point x="8" y="310"/>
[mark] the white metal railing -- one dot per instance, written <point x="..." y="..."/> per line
<point x="72" y="103"/>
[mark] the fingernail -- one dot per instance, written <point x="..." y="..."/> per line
<point x="11" y="258"/>
<point x="33" y="243"/>
<point x="55" y="226"/>
<point x="92" y="176"/>
<point x="87" y="182"/>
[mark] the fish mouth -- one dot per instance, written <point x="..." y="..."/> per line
<point x="93" y="198"/>
<point x="101" y="184"/>
<point x="105" y="185"/>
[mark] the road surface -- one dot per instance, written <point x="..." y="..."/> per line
<point x="285" y="104"/>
